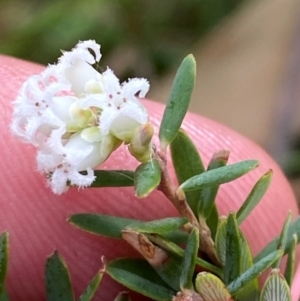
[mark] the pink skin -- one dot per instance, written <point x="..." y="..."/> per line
<point x="36" y="219"/>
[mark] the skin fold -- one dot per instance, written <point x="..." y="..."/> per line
<point x="36" y="218"/>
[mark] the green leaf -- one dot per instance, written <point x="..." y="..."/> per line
<point x="232" y="266"/>
<point x="58" y="284"/>
<point x="276" y="288"/>
<point x="219" y="176"/>
<point x="178" y="102"/>
<point x="4" y="296"/>
<point x="3" y="259"/>
<point x="189" y="261"/>
<point x="123" y="296"/>
<point x="113" y="178"/>
<point x="282" y="238"/>
<point x="220" y="242"/>
<point x="187" y="163"/>
<point x="169" y="271"/>
<point x="161" y="226"/>
<point x="250" y="291"/>
<point x="166" y="266"/>
<point x="139" y="276"/>
<point x="255" y="196"/>
<point x="177" y="236"/>
<point x="273" y="245"/>
<point x="290" y="264"/>
<point x="212" y="221"/>
<point x="207" y="208"/>
<point x="253" y="272"/>
<point x="92" y="287"/>
<point x="211" y="288"/>
<point x="104" y="225"/>
<point x="146" y="178"/>
<point x="175" y="249"/>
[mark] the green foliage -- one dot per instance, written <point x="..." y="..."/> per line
<point x="3" y="259"/>
<point x="161" y="226"/>
<point x="189" y="261"/>
<point x="276" y="288"/>
<point x="255" y="196"/>
<point x="139" y="276"/>
<point x="219" y="176"/>
<point x="105" y="225"/>
<point x="233" y="250"/>
<point x="178" y="101"/>
<point x="173" y="248"/>
<point x="207" y="208"/>
<point x="58" y="283"/>
<point x="187" y="163"/>
<point x="113" y="178"/>
<point x="146" y="178"/>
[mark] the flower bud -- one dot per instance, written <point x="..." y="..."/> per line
<point x="140" y="145"/>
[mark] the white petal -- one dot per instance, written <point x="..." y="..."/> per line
<point x="82" y="154"/>
<point x="111" y="82"/>
<point x="135" y="85"/>
<point x="79" y="74"/>
<point x="93" y="100"/>
<point x="123" y="127"/>
<point x="82" y="180"/>
<point x="106" y="119"/>
<point x="55" y="141"/>
<point x="58" y="181"/>
<point x="61" y="107"/>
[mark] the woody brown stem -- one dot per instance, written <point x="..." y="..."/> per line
<point x="178" y="199"/>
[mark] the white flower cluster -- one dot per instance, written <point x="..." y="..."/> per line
<point x="76" y="116"/>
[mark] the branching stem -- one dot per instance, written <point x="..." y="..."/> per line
<point x="178" y="199"/>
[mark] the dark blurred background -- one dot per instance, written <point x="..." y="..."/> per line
<point x="247" y="51"/>
<point x="154" y="35"/>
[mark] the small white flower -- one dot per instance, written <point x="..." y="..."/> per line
<point x="76" y="116"/>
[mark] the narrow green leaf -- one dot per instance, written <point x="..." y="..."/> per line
<point x="207" y="208"/>
<point x="58" y="283"/>
<point x="212" y="221"/>
<point x="282" y="238"/>
<point x="123" y="296"/>
<point x="92" y="287"/>
<point x="255" y="196"/>
<point x="4" y="296"/>
<point x="146" y="178"/>
<point x="276" y="288"/>
<point x="250" y="291"/>
<point x="273" y="245"/>
<point x="219" y="176"/>
<point x="211" y="288"/>
<point x="177" y="236"/>
<point x="208" y="194"/>
<point x="290" y="264"/>
<point x="139" y="276"/>
<point x="232" y="266"/>
<point x="187" y="163"/>
<point x="175" y="249"/>
<point x="220" y="242"/>
<point x="113" y="178"/>
<point x="189" y="261"/>
<point x="178" y="102"/>
<point x="3" y="259"/>
<point x="161" y="226"/>
<point x="166" y="266"/>
<point x="253" y="272"/>
<point x="169" y="271"/>
<point x="104" y="225"/>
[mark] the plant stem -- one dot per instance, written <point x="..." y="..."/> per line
<point x="177" y="198"/>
